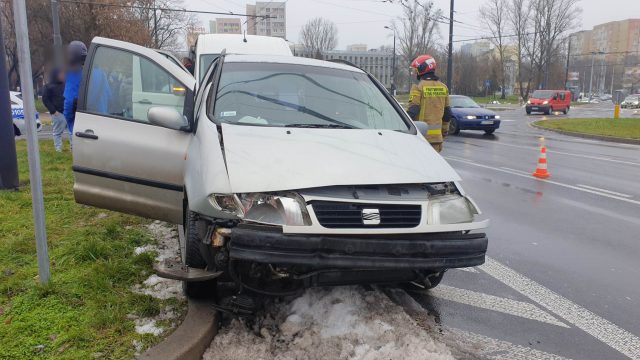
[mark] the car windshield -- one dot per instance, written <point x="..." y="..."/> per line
<point x="632" y="98"/>
<point x="286" y="95"/>
<point x="542" y="94"/>
<point x="463" y="102"/>
<point x="205" y="61"/>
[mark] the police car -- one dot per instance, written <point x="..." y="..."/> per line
<point x="17" y="113"/>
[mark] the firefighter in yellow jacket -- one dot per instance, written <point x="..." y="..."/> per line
<point x="429" y="101"/>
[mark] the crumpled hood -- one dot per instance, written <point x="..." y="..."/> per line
<point x="274" y="158"/>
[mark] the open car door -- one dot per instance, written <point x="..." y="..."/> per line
<point x="122" y="161"/>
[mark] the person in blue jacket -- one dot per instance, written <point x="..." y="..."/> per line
<point x="76" y="53"/>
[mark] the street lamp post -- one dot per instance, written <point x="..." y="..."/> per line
<point x="393" y="61"/>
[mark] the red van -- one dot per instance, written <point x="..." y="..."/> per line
<point x="548" y="101"/>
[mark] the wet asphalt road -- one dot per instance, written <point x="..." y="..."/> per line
<point x="563" y="275"/>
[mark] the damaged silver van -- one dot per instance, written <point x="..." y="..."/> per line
<point x="285" y="172"/>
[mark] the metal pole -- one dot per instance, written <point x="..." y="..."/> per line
<point x="8" y="160"/>
<point x="57" y="39"/>
<point x="155" y="26"/>
<point x="593" y="59"/>
<point x="566" y="72"/>
<point x="24" y="57"/>
<point x="613" y="73"/>
<point x="393" y="63"/>
<point x="450" y="52"/>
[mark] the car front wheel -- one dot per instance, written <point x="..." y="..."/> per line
<point x="194" y="259"/>
<point x="453" y="127"/>
<point x="489" y="132"/>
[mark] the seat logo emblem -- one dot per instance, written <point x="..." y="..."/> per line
<point x="371" y="216"/>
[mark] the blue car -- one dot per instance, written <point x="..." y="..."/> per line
<point x="468" y="115"/>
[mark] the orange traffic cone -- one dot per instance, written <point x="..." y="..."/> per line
<point x="541" y="170"/>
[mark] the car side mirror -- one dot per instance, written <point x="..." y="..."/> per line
<point x="167" y="117"/>
<point x="422" y="127"/>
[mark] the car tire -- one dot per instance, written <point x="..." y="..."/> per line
<point x="489" y="132"/>
<point x="548" y="111"/>
<point x="434" y="279"/>
<point x="193" y="258"/>
<point x="453" y="127"/>
<point x="16" y="131"/>
<point x="528" y="112"/>
<point x="566" y="110"/>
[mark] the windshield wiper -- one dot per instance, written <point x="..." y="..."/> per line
<point x="327" y="126"/>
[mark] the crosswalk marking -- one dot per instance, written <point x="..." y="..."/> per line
<point x="495" y="303"/>
<point x="468" y="343"/>
<point x="469" y="269"/>
<point x="600" y="328"/>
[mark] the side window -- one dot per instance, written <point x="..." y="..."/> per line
<point x="124" y="85"/>
<point x="562" y="96"/>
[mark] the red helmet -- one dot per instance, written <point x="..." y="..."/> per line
<point x="424" y="64"/>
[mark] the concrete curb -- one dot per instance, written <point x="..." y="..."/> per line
<point x="588" y="136"/>
<point x="191" y="338"/>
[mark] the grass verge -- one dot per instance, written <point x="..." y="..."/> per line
<point x="620" y="128"/>
<point x="83" y="312"/>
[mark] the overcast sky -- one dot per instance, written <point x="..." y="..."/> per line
<point x="363" y="21"/>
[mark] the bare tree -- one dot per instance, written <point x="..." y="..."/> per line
<point x="551" y="20"/>
<point x="494" y="13"/>
<point x="165" y="28"/>
<point x="417" y="29"/>
<point x="518" y="15"/>
<point x="319" y="35"/>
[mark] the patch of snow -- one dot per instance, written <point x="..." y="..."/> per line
<point x="335" y="323"/>
<point x="167" y="247"/>
<point x="147" y="326"/>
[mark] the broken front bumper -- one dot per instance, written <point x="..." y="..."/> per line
<point x="265" y="244"/>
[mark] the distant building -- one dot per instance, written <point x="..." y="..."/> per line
<point x="225" y="26"/>
<point x="273" y="21"/>
<point x="378" y="63"/>
<point x="475" y="49"/>
<point x="614" y="48"/>
<point x="614" y="38"/>
<point x="192" y="34"/>
<point x="357" y="47"/>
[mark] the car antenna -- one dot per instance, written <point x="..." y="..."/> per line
<point x="244" y="35"/>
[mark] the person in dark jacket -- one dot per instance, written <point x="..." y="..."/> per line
<point x="77" y="53"/>
<point x="53" y="99"/>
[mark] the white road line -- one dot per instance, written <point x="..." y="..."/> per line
<point x="604" y="190"/>
<point x="515" y="170"/>
<point x="602" y="329"/>
<point x="495" y="349"/>
<point x="495" y="303"/>
<point x="468" y="342"/>
<point x="545" y="180"/>
<point x="469" y="269"/>
<point x="570" y="154"/>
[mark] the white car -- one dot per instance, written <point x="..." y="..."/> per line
<point x="17" y="113"/>
<point x="286" y="172"/>
<point x="209" y="46"/>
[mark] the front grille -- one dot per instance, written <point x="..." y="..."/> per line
<point x="349" y="215"/>
<point x="485" y="117"/>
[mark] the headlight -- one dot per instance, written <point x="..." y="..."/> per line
<point x="528" y="101"/>
<point x="470" y="117"/>
<point x="497" y="117"/>
<point x="450" y="209"/>
<point x="272" y="209"/>
<point x="227" y="203"/>
<point x="545" y="102"/>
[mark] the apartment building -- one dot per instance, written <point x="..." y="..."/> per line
<point x="271" y="19"/>
<point x="225" y="26"/>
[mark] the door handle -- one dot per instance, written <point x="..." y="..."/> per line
<point x="145" y="101"/>
<point x="87" y="134"/>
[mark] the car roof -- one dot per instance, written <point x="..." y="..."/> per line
<point x="237" y="43"/>
<point x="291" y="60"/>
